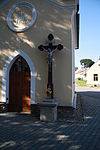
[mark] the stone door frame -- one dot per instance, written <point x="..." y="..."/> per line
<point x="6" y="70"/>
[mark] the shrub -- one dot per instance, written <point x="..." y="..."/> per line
<point x="79" y="78"/>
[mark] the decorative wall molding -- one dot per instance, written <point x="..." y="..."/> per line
<point x="61" y="5"/>
<point x="5" y="77"/>
<point x="21" y="16"/>
<point x="74" y="96"/>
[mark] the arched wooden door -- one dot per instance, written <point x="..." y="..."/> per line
<point x="19" y="86"/>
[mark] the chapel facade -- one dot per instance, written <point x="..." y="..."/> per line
<point x="24" y="25"/>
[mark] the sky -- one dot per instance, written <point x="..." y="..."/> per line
<point x="89" y="43"/>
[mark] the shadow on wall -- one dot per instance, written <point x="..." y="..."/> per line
<point x="48" y="21"/>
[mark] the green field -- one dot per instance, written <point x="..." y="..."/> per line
<point x="80" y="82"/>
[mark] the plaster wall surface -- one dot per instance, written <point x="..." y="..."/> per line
<point x="94" y="69"/>
<point x="50" y="19"/>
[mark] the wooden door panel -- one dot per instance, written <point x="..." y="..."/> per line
<point x="19" y="92"/>
<point x="14" y="92"/>
<point x="26" y="106"/>
<point x="19" y="86"/>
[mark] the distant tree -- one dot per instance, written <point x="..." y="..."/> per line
<point x="76" y="68"/>
<point x="86" y="62"/>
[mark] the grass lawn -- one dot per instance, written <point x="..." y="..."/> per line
<point x="80" y="82"/>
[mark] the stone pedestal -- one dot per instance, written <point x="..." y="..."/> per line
<point x="48" y="110"/>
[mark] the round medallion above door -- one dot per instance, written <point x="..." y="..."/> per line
<point x="21" y="16"/>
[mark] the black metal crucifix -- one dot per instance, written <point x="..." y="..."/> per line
<point x="50" y="48"/>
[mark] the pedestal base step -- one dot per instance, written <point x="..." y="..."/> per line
<point x="48" y="110"/>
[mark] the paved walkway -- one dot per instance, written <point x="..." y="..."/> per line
<point x="87" y="89"/>
<point x="23" y="132"/>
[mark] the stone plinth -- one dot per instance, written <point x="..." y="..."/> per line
<point x="48" y="110"/>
